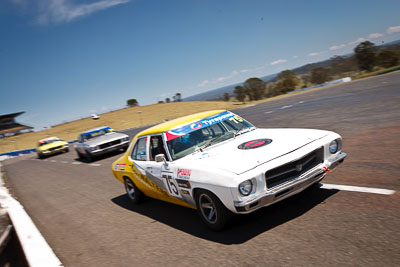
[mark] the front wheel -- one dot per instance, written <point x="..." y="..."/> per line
<point x="211" y="210"/>
<point x="133" y="192"/>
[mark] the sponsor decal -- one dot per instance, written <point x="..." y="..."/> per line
<point x="194" y="126"/>
<point x="204" y="155"/>
<point x="255" y="144"/>
<point x="183" y="183"/>
<point x="184" y="173"/>
<point x="185" y="192"/>
<point x="120" y="167"/>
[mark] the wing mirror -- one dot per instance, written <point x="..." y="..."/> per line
<point x="160" y="158"/>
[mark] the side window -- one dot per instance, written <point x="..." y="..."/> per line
<point x="156" y="147"/>
<point x="139" y="151"/>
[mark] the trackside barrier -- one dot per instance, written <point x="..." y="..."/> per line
<point x="17" y="153"/>
<point x="343" y="80"/>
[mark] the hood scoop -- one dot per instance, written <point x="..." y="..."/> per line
<point x="255" y="143"/>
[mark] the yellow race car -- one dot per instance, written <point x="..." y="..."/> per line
<point x="220" y="164"/>
<point x="50" y="146"/>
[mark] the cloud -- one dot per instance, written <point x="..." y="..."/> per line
<point x="359" y="40"/>
<point x="203" y="83"/>
<point x="279" y="61"/>
<point x="313" y="54"/>
<point x="393" y="29"/>
<point x="336" y="47"/>
<point x="244" y="71"/>
<point x="375" y="35"/>
<point x="230" y="76"/>
<point x="295" y="56"/>
<point x="63" y="11"/>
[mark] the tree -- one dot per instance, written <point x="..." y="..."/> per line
<point x="319" y="75"/>
<point x="286" y="85"/>
<point x="178" y="97"/>
<point x="226" y="97"/>
<point x="240" y="93"/>
<point x="254" y="88"/>
<point x="132" y="102"/>
<point x="160" y="102"/>
<point x="365" y="54"/>
<point x="387" y="58"/>
<point x="167" y="100"/>
<point x="285" y="74"/>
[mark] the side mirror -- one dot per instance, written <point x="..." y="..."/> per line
<point x="160" y="158"/>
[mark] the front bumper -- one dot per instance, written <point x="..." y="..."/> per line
<point x="99" y="152"/>
<point x="290" y="188"/>
<point x="47" y="152"/>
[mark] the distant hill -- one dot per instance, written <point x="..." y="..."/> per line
<point x="218" y="93"/>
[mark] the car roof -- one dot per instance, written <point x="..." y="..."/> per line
<point x="95" y="130"/>
<point x="168" y="125"/>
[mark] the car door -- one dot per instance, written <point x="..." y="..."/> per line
<point x="161" y="173"/>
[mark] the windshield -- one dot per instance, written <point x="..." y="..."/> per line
<point x="96" y="133"/>
<point x="207" y="136"/>
<point x="49" y="141"/>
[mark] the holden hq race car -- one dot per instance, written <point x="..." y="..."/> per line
<point x="220" y="164"/>
<point x="100" y="141"/>
<point x="50" y="146"/>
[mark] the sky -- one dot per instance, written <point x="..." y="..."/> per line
<point x="62" y="60"/>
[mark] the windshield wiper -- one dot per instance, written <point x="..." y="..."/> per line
<point x="209" y="143"/>
<point x="240" y="129"/>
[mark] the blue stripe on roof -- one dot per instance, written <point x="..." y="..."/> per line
<point x="95" y="131"/>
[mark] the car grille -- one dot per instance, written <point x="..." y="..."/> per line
<point x="294" y="169"/>
<point x="54" y="148"/>
<point x="112" y="143"/>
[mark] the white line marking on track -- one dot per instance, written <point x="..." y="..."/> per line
<point x="359" y="189"/>
<point x="95" y="164"/>
<point x="301" y="102"/>
<point x="76" y="163"/>
<point x="53" y="160"/>
<point x="63" y="161"/>
<point x="268" y="112"/>
<point x="289" y="106"/>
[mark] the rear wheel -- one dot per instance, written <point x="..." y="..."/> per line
<point x="133" y="192"/>
<point x="211" y="210"/>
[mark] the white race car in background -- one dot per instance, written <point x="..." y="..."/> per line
<point x="218" y="163"/>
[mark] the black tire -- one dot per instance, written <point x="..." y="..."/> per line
<point x="211" y="210"/>
<point x="134" y="193"/>
<point x="80" y="156"/>
<point x="66" y="150"/>
<point x="40" y="156"/>
<point x="89" y="157"/>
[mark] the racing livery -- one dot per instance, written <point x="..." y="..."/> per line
<point x="218" y="163"/>
<point x="99" y="141"/>
<point x="51" y="145"/>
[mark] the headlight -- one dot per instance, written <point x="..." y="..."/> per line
<point x="125" y="138"/>
<point x="92" y="148"/>
<point x="333" y="146"/>
<point x="245" y="188"/>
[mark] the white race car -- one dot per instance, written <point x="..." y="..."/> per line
<point x="218" y="163"/>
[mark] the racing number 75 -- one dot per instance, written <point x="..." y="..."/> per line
<point x="172" y="188"/>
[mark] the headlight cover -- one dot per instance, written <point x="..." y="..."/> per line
<point x="246" y="187"/>
<point x="334" y="146"/>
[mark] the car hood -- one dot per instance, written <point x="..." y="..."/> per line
<point x="108" y="137"/>
<point x="228" y="157"/>
<point x="54" y="144"/>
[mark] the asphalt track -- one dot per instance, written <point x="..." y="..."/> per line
<point x="86" y="217"/>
